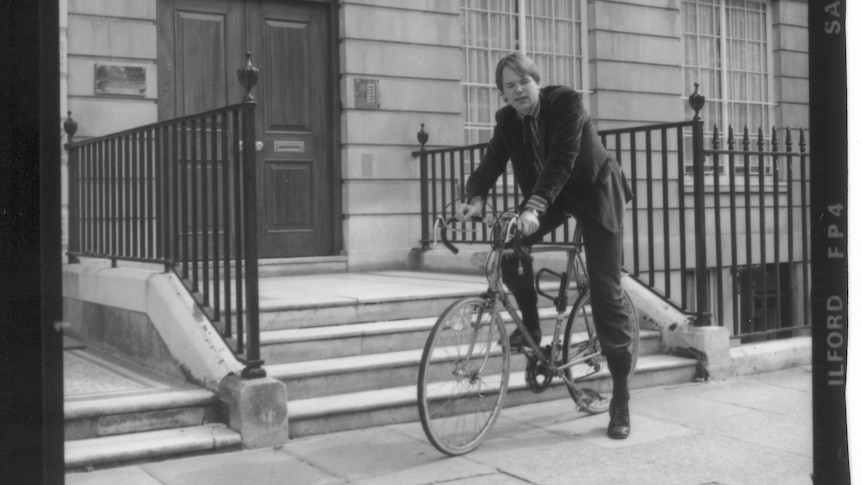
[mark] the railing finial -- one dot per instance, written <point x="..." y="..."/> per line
<point x="70" y="126"/>
<point x="801" y="140"/>
<point x="248" y="75"/>
<point x="696" y="101"/>
<point x="422" y="136"/>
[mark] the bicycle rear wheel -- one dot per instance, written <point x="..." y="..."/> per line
<point x="581" y="347"/>
<point x="463" y="376"/>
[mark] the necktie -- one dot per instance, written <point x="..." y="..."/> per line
<point x="531" y="142"/>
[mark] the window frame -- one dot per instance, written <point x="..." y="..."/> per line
<point x="724" y="101"/>
<point x="518" y="21"/>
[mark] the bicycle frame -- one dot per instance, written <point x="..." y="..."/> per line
<point x="506" y="243"/>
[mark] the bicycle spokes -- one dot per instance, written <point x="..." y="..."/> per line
<point x="463" y="376"/>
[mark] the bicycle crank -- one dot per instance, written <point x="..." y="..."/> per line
<point x="537" y="374"/>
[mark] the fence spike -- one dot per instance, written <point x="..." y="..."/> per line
<point x="760" y="139"/>
<point x="788" y="140"/>
<point x="774" y="140"/>
<point x="801" y="140"/>
<point x="422" y="136"/>
<point x="730" y="140"/>
<point x="715" y="141"/>
<point x="746" y="140"/>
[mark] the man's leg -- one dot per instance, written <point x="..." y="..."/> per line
<point x="519" y="278"/>
<point x="604" y="253"/>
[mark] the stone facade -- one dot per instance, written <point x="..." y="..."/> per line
<point x="413" y="50"/>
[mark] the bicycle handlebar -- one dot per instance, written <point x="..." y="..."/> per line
<point x="512" y="229"/>
<point x="445" y="238"/>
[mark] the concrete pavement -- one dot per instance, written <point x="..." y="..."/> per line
<point x="754" y="429"/>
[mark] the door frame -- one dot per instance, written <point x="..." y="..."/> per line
<point x="166" y="96"/>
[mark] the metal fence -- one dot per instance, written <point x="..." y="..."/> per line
<point x="694" y="223"/>
<point x="181" y="193"/>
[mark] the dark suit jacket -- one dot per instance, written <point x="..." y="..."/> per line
<point x="579" y="175"/>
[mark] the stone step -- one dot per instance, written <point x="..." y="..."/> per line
<point x="308" y="301"/>
<point x="328" y="342"/>
<point x="150" y="445"/>
<point x="325" y="377"/>
<point x="399" y="405"/>
<point x="108" y="416"/>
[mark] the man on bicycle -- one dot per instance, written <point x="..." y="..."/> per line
<point x="561" y="168"/>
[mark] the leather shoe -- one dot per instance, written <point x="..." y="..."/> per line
<point x="619" y="426"/>
<point x="518" y="341"/>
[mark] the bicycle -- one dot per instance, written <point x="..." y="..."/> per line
<point x="465" y="367"/>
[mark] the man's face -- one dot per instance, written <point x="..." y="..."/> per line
<point x="521" y="92"/>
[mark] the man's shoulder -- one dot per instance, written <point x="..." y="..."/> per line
<point x="506" y="113"/>
<point x="557" y="92"/>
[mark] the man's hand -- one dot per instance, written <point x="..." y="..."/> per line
<point x="468" y="211"/>
<point x="529" y="222"/>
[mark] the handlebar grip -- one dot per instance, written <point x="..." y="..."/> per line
<point x="444" y="238"/>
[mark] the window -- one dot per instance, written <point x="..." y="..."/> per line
<point x="728" y="53"/>
<point x="552" y="32"/>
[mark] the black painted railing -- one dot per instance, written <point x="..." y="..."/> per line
<point x="181" y="193"/>
<point x="690" y="230"/>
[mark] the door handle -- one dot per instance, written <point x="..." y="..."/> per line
<point x="258" y="145"/>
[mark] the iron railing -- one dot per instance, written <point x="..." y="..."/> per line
<point x="681" y="221"/>
<point x="759" y="207"/>
<point x="181" y="193"/>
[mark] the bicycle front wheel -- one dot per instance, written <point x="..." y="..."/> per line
<point x="582" y="350"/>
<point x="463" y="376"/>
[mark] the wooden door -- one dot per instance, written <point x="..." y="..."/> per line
<point x="294" y="121"/>
<point x="202" y="43"/>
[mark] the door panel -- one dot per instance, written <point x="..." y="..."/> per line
<point x="295" y="191"/>
<point x="200" y="47"/>
<point x="202" y="43"/>
<point x="292" y="40"/>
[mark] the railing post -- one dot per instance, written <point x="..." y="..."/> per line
<point x="70" y="126"/>
<point x="248" y="76"/>
<point x="696" y="101"/>
<point x="422" y="136"/>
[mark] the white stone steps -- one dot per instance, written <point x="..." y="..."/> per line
<point x="383" y="296"/>
<point x="136" y="403"/>
<point x="107" y="416"/>
<point x="356" y="373"/>
<point x="303" y="344"/>
<point x="149" y="445"/>
<point x="399" y="405"/>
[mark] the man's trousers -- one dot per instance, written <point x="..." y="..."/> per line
<point x="604" y="258"/>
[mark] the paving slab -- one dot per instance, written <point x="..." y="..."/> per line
<point x="715" y="433"/>
<point x="755" y="395"/>
<point x="708" y="458"/>
<point x="777" y="431"/>
<point x="131" y="475"/>
<point x="382" y="455"/>
<point x="253" y="467"/>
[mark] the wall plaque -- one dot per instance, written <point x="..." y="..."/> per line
<point x="114" y="79"/>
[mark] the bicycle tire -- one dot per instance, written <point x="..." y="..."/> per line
<point x="580" y="339"/>
<point x="461" y="393"/>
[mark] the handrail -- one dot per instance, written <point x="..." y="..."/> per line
<point x="181" y="193"/>
<point x="678" y="240"/>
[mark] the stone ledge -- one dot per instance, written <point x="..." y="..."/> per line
<point x="757" y="358"/>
